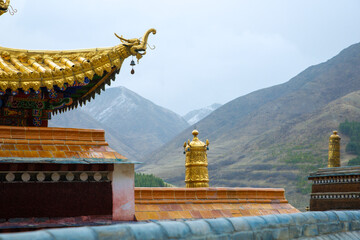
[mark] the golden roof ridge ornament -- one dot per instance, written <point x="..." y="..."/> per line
<point x="137" y="45"/>
<point x="4" y="7"/>
<point x="196" y="172"/>
<point x="334" y="150"/>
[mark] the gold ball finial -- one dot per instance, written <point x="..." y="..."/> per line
<point x="335" y="135"/>
<point x="195" y="132"/>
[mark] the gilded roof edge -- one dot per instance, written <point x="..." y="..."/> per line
<point x="25" y="69"/>
<point x="19" y="51"/>
<point x="35" y="69"/>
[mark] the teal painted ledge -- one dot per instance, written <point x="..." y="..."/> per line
<point x="309" y="225"/>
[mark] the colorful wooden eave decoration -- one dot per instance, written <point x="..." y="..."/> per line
<point x="35" y="84"/>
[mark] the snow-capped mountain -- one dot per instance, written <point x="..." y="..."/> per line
<point x="134" y="125"/>
<point x="195" y="116"/>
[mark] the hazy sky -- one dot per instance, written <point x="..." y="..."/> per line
<point x="206" y="51"/>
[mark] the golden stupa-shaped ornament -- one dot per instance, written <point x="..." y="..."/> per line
<point x="334" y="150"/>
<point x="196" y="171"/>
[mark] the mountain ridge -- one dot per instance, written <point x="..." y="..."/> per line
<point x="133" y="125"/>
<point x="244" y="132"/>
<point x="196" y="115"/>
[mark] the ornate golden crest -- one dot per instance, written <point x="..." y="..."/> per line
<point x="137" y="46"/>
<point x="4" y="7"/>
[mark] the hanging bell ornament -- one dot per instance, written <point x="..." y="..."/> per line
<point x="132" y="64"/>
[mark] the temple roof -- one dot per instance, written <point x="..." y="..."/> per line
<point x="56" y="145"/>
<point x="335" y="172"/>
<point x="196" y="203"/>
<point x="35" y="69"/>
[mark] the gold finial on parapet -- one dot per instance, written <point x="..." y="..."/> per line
<point x="334" y="150"/>
<point x="137" y="46"/>
<point x="196" y="172"/>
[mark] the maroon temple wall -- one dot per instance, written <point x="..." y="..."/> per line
<point x="48" y="190"/>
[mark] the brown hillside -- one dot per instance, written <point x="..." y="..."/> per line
<point x="274" y="136"/>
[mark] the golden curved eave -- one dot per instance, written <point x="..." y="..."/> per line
<point x="35" y="69"/>
<point x="27" y="69"/>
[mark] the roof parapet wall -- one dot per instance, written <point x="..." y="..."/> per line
<point x="56" y="145"/>
<point x="197" y="203"/>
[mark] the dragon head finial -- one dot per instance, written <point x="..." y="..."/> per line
<point x="4" y="6"/>
<point x="137" y="46"/>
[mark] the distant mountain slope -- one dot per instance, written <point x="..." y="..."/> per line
<point x="251" y="135"/>
<point x="195" y="116"/>
<point x="79" y="119"/>
<point x="134" y="125"/>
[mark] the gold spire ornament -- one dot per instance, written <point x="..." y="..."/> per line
<point x="334" y="150"/>
<point x="196" y="172"/>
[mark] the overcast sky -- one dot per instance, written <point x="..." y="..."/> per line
<point x="206" y="51"/>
